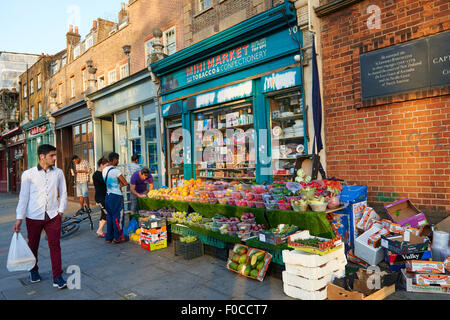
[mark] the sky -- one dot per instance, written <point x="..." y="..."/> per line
<point x="31" y="26"/>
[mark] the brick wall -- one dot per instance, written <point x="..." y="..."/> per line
<point x="107" y="54"/>
<point x="400" y="146"/>
<point x="222" y="15"/>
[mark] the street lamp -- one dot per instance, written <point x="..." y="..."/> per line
<point x="127" y="49"/>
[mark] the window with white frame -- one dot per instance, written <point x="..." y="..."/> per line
<point x="170" y="41"/>
<point x="32" y="113"/>
<point x="83" y="79"/>
<point x="31" y="86"/>
<point x="72" y="87"/>
<point x="25" y="89"/>
<point x="124" y="72"/>
<point x="40" y="109"/>
<point x="111" y="76"/>
<point x="203" y="4"/>
<point x="89" y="41"/>
<point x="39" y="82"/>
<point x="60" y="93"/>
<point x="63" y="60"/>
<point x="76" y="51"/>
<point x="149" y="49"/>
<point x="101" y="82"/>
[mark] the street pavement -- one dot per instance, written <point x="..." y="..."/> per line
<point x="128" y="272"/>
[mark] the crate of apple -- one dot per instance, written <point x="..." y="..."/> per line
<point x="248" y="217"/>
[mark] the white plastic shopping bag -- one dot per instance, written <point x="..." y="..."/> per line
<point x="20" y="257"/>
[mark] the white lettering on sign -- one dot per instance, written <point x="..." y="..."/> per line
<point x="374" y="21"/>
<point x="280" y="81"/>
<point x="205" y="99"/>
<point x="242" y="90"/>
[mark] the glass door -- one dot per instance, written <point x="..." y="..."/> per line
<point x="175" y="163"/>
<point x="121" y="138"/>
<point x="151" y="142"/>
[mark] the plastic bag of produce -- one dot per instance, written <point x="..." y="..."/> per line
<point x="20" y="257"/>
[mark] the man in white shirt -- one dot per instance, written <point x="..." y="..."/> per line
<point x="114" y="200"/>
<point x="43" y="209"/>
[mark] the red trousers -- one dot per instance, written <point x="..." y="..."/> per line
<point x="52" y="228"/>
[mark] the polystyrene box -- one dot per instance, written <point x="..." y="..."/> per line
<point x="364" y="251"/>
<point x="309" y="284"/>
<point x="301" y="294"/>
<point x="332" y="267"/>
<point x="311" y="260"/>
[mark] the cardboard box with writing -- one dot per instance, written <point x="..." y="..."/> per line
<point x="405" y="213"/>
<point x="396" y="261"/>
<point x="405" y="243"/>
<point x="411" y="286"/>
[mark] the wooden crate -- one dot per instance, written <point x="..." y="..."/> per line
<point x="337" y="293"/>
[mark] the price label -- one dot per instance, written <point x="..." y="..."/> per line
<point x="262" y="237"/>
<point x="384" y="243"/>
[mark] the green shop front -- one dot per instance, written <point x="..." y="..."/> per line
<point x="126" y="122"/>
<point x="38" y="132"/>
<point x="232" y="104"/>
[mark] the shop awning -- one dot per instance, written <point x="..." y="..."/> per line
<point x="9" y="133"/>
<point x="72" y="114"/>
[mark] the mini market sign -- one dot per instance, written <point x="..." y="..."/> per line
<point x="38" y="130"/>
<point x="236" y="58"/>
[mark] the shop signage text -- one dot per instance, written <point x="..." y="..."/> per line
<point x="236" y="58"/>
<point x="417" y="64"/>
<point x="38" y="130"/>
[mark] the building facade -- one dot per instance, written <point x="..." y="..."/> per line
<point x="386" y="94"/>
<point x="109" y="55"/>
<point x="244" y="79"/>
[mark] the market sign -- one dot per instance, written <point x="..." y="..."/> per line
<point x="38" y="130"/>
<point x="417" y="64"/>
<point x="233" y="59"/>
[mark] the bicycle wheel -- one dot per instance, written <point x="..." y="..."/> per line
<point x="67" y="230"/>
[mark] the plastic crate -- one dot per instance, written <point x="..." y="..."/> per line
<point x="219" y="253"/>
<point x="212" y="242"/>
<point x="188" y="250"/>
<point x="274" y="239"/>
<point x="182" y="230"/>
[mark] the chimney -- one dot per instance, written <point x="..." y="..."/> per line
<point x="76" y="30"/>
<point x="73" y="38"/>
<point x="94" y="26"/>
<point x="123" y="12"/>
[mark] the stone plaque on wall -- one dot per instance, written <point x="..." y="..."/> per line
<point x="415" y="65"/>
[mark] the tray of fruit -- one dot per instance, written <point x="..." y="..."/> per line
<point x="304" y="241"/>
<point x="249" y="262"/>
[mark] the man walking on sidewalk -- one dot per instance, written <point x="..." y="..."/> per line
<point x="43" y="209"/>
<point x="82" y="171"/>
<point x="114" y="200"/>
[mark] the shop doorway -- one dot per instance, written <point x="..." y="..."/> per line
<point x="174" y="158"/>
<point x="3" y="172"/>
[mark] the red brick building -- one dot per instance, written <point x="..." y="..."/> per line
<point x="397" y="144"/>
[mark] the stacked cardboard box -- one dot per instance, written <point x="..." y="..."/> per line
<point x="153" y="239"/>
<point x="427" y="276"/>
<point x="307" y="275"/>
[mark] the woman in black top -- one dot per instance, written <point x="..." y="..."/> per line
<point x="100" y="194"/>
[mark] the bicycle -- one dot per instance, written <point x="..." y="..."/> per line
<point x="70" y="225"/>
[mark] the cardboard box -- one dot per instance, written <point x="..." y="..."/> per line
<point x="375" y="239"/>
<point x="408" y="281"/>
<point x="365" y="222"/>
<point x="405" y="243"/>
<point x="398" y="261"/>
<point x="444" y="225"/>
<point x="432" y="280"/>
<point x="423" y="266"/>
<point x="153" y="239"/>
<point x="354" y="259"/>
<point x="405" y="213"/>
<point x="335" y="292"/>
<point x="365" y="251"/>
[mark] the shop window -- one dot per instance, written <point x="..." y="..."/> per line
<point x="287" y="132"/>
<point x="175" y="147"/>
<point x="90" y="132"/>
<point x="135" y="123"/>
<point x="224" y="142"/>
<point x="121" y="134"/>
<point x="76" y="134"/>
<point x="84" y="132"/>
